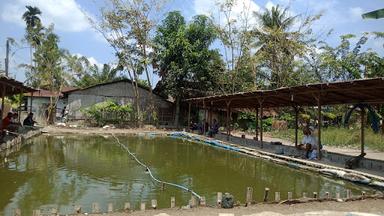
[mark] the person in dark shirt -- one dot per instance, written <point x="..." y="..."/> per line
<point x="29" y="120"/>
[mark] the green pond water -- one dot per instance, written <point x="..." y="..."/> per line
<point x="64" y="171"/>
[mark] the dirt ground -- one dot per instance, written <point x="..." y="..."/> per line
<point x="368" y="207"/>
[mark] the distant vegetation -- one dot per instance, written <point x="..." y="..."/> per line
<point x="203" y="56"/>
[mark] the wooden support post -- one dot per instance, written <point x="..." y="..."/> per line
<point x="248" y="198"/>
<point x="203" y="201"/>
<point x="261" y="121"/>
<point x="289" y="195"/>
<point x="19" y="110"/>
<point x="277" y="196"/>
<point x="30" y="109"/>
<point x="154" y="204"/>
<point x="189" y="116"/>
<point x="266" y="192"/>
<point x="173" y="202"/>
<point x="219" y="199"/>
<point x="127" y="206"/>
<point x="142" y="206"/>
<point x="210" y="115"/>
<point x="362" y="137"/>
<point x="228" y="120"/>
<point x="110" y="207"/>
<point x="349" y="194"/>
<point x="337" y="196"/>
<point x="95" y="208"/>
<point x="319" y="118"/>
<point x="296" y="124"/>
<point x="205" y="118"/>
<point x="2" y="102"/>
<point x="257" y="124"/>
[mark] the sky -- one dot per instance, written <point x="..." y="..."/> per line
<point x="77" y="35"/>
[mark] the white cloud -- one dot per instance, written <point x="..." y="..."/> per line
<point x="269" y="5"/>
<point x="356" y="12"/>
<point x="66" y="15"/>
<point x="91" y="60"/>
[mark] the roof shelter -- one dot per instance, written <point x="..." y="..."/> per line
<point x="9" y="87"/>
<point x="370" y="91"/>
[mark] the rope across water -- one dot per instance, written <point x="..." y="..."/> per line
<point x="150" y="172"/>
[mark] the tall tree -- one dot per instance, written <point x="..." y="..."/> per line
<point x="278" y="44"/>
<point x="127" y="26"/>
<point x="234" y="34"/>
<point x="48" y="70"/>
<point x="33" y="29"/>
<point x="186" y="63"/>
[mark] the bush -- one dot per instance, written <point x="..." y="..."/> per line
<point x="109" y="112"/>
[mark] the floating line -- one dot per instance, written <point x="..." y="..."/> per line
<point x="150" y="172"/>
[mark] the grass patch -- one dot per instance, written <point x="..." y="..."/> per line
<point x="338" y="137"/>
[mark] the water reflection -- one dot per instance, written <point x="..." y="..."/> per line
<point x="63" y="171"/>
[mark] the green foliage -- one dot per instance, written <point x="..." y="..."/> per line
<point x="109" y="112"/>
<point x="85" y="74"/>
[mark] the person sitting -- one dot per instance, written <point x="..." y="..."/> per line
<point x="309" y="142"/>
<point x="6" y="121"/>
<point x="214" y="128"/>
<point x="29" y="120"/>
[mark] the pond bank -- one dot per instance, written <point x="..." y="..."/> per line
<point x="374" y="206"/>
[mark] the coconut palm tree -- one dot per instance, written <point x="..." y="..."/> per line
<point x="276" y="44"/>
<point x="32" y="19"/>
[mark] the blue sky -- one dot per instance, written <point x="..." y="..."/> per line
<point x="77" y="35"/>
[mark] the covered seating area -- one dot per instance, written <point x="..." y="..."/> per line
<point x="9" y="87"/>
<point x="364" y="91"/>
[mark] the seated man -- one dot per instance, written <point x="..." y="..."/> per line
<point x="309" y="143"/>
<point x="214" y="128"/>
<point x="29" y="120"/>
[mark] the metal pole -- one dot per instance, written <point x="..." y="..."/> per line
<point x="362" y="130"/>
<point x="7" y="59"/>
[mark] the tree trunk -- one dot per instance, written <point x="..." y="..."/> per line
<point x="152" y="102"/>
<point x="177" y="112"/>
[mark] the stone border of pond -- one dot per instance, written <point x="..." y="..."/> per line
<point x="15" y="143"/>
